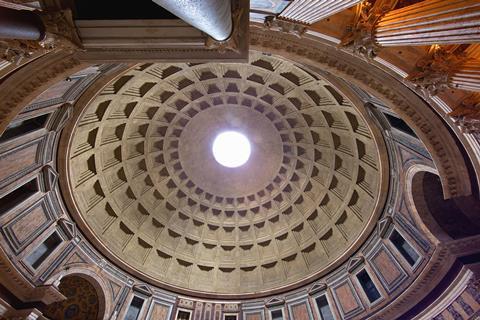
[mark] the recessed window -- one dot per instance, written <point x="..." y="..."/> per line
<point x="41" y="253"/>
<point x="399" y="124"/>
<point x="134" y="309"/>
<point x="17" y="196"/>
<point x="405" y="249"/>
<point x="277" y="314"/>
<point x="231" y="149"/>
<point x="324" y="308"/>
<point x="368" y="286"/>
<point x="230" y="317"/>
<point x="19" y="128"/>
<point x="183" y="315"/>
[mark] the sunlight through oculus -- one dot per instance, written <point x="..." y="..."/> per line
<point x="231" y="149"/>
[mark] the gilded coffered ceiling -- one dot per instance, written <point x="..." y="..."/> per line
<point x="146" y="186"/>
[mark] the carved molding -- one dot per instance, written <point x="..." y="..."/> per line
<point x="383" y="225"/>
<point x="432" y="73"/>
<point x="47" y="294"/>
<point x="295" y="29"/>
<point x="61" y="32"/>
<point x="23" y="86"/>
<point x="15" y="51"/>
<point x="317" y="287"/>
<point x="360" y="39"/>
<point x="467" y="115"/>
<point x="354" y="263"/>
<point x="26" y="291"/>
<point x="275" y="301"/>
<point x="143" y="289"/>
<point x="49" y="179"/>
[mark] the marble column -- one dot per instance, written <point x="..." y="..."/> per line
<point x="20" y="25"/>
<point x="466" y="77"/>
<point x="311" y="11"/>
<point x="214" y="17"/>
<point x="447" y="67"/>
<point x="430" y="22"/>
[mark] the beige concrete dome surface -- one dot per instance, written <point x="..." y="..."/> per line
<point x="147" y="189"/>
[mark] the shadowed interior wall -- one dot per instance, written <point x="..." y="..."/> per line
<point x="445" y="213"/>
<point x="82" y="301"/>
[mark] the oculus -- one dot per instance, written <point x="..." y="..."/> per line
<point x="231" y="149"/>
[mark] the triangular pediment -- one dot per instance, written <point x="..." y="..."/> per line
<point x="382" y="226"/>
<point x="354" y="262"/>
<point x="317" y="287"/>
<point x="274" y="302"/>
<point x="142" y="288"/>
<point x="68" y="227"/>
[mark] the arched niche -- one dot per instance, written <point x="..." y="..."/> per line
<point x="82" y="300"/>
<point x="88" y="277"/>
<point x="445" y="219"/>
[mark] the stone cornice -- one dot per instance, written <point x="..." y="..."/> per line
<point x="27" y="83"/>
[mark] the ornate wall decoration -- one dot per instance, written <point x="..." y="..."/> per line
<point x="467" y="115"/>
<point x="26" y="84"/>
<point x="296" y="29"/>
<point x="82" y="301"/>
<point x="61" y="32"/>
<point x="433" y="72"/>
<point x="360" y="39"/>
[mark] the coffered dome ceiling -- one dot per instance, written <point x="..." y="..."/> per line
<point x="146" y="186"/>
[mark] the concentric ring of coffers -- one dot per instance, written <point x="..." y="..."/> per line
<point x="146" y="185"/>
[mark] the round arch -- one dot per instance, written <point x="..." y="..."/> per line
<point x="441" y="218"/>
<point x="90" y="274"/>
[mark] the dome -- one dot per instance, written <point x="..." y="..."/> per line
<point x="240" y="160"/>
<point x="147" y="187"/>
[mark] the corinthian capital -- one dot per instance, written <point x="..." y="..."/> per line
<point x="432" y="73"/>
<point x="360" y="38"/>
<point x="232" y="43"/>
<point x="272" y="23"/>
<point x="60" y="30"/>
<point x="467" y="114"/>
<point x="15" y="51"/>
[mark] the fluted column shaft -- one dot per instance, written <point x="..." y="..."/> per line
<point x="467" y="77"/>
<point x="311" y="11"/>
<point x="214" y="17"/>
<point x="20" y="24"/>
<point x="430" y="22"/>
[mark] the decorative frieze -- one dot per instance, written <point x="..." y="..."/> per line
<point x="298" y="30"/>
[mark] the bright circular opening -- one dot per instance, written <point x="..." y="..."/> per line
<point x="231" y="149"/>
